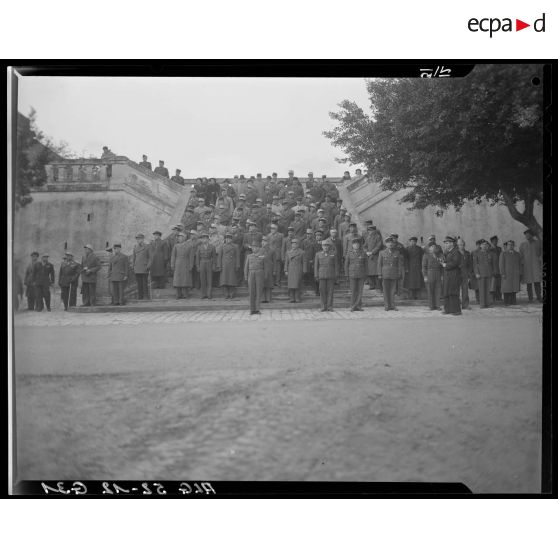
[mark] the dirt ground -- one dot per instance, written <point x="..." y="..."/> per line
<point x="370" y="400"/>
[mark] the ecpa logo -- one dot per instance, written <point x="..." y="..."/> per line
<point x="494" y="24"/>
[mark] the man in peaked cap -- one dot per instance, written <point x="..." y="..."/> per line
<point x="161" y="170"/>
<point x="90" y="266"/>
<point x="356" y="263"/>
<point x="145" y="163"/>
<point x="413" y="276"/>
<point x="390" y="269"/>
<point x="43" y="279"/>
<point x="140" y="265"/>
<point x="159" y="257"/>
<point x="68" y="279"/>
<point x="452" y="277"/>
<point x="118" y="274"/>
<point x="177" y="178"/>
<point x="205" y="260"/>
<point x="326" y="271"/>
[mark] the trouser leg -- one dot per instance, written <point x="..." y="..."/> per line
<point x="431" y="298"/>
<point x="39" y="298"/>
<point x="259" y="288"/>
<point x="353" y="288"/>
<point x="538" y="291"/>
<point x="387" y="288"/>
<point x="359" y="289"/>
<point x="323" y="293"/>
<point x="484" y="283"/>
<point x="252" y="291"/>
<point x="330" y="289"/>
<point x="513" y="298"/>
<point x="31" y="298"/>
<point x="530" y="291"/>
<point x="465" y="293"/>
<point x="297" y="295"/>
<point x="203" y="280"/>
<point x="72" y="300"/>
<point x="317" y="285"/>
<point x="139" y="284"/>
<point x="65" y="296"/>
<point x="92" y="293"/>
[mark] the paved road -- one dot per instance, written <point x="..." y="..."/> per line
<point x="295" y="395"/>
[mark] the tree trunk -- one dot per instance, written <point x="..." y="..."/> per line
<point x="526" y="218"/>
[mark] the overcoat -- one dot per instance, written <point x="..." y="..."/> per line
<point x="93" y="265"/>
<point x="413" y="278"/>
<point x="140" y="258"/>
<point x="159" y="254"/>
<point x="269" y="263"/>
<point x="228" y="261"/>
<point x="452" y="273"/>
<point x="356" y="264"/>
<point x="118" y="267"/>
<point x="276" y="244"/>
<point x="182" y="261"/>
<point x="294" y="263"/>
<point x="531" y="260"/>
<point x="373" y="244"/>
<point x="43" y="274"/>
<point x="510" y="269"/>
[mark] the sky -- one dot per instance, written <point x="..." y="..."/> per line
<point x="204" y="126"/>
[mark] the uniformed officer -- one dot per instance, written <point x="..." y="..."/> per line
<point x="485" y="269"/>
<point x="356" y="263"/>
<point x="90" y="266"/>
<point x="43" y="279"/>
<point x="28" y="282"/>
<point x="118" y="274"/>
<point x="254" y="275"/>
<point x="432" y="272"/>
<point x="140" y="265"/>
<point x="269" y="265"/>
<point x="413" y="277"/>
<point x="145" y="163"/>
<point x="177" y="178"/>
<point x="159" y="256"/>
<point x="68" y="279"/>
<point x="452" y="277"/>
<point x="205" y="262"/>
<point x="294" y="269"/>
<point x="390" y="269"/>
<point x="228" y="264"/>
<point x="326" y="271"/>
<point x="181" y="263"/>
<point x="275" y="239"/>
<point x="373" y="244"/>
<point x="162" y="170"/>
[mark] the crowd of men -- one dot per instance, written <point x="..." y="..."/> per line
<point x="269" y="231"/>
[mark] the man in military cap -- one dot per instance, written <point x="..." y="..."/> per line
<point x="228" y="265"/>
<point x="326" y="271"/>
<point x="257" y="213"/>
<point x="372" y="245"/>
<point x="349" y="237"/>
<point x="390" y="269"/>
<point x="328" y="206"/>
<point x="206" y="256"/>
<point x="68" y="279"/>
<point x="118" y="274"/>
<point x="90" y="266"/>
<point x="495" y="284"/>
<point x="413" y="276"/>
<point x="299" y="227"/>
<point x="140" y="265"/>
<point x="254" y="275"/>
<point x="275" y="240"/>
<point x="344" y="226"/>
<point x="145" y="163"/>
<point x="337" y="248"/>
<point x="432" y="242"/>
<point x="251" y="194"/>
<point x="161" y="170"/>
<point x="339" y="218"/>
<point x="484" y="266"/>
<point x="356" y="263"/>
<point x="182" y="260"/>
<point x="28" y="281"/>
<point x="467" y="272"/>
<point x="309" y="246"/>
<point x="217" y="241"/>
<point x="189" y="219"/>
<point x="177" y="178"/>
<point x="159" y="256"/>
<point x="452" y="277"/>
<point x="294" y="269"/>
<point x="269" y="266"/>
<point x="401" y="249"/>
<point x="43" y="279"/>
<point x="200" y="209"/>
<point x="287" y="242"/>
<point x="299" y="205"/>
<point x="510" y="269"/>
<point x="432" y="273"/>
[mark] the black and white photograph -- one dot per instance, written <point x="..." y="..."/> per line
<point x="220" y="278"/>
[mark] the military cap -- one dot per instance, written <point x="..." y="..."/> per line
<point x="332" y="230"/>
<point x="327" y="242"/>
<point x="494" y="237"/>
<point x="259" y="200"/>
<point x="213" y="226"/>
<point x="432" y="237"/>
<point x="259" y="174"/>
<point x="310" y="174"/>
<point x="291" y="192"/>
<point x="289" y="228"/>
<point x="295" y="239"/>
<point x="320" y="209"/>
<point x="395" y="235"/>
<point x="528" y="231"/>
<point x="201" y="199"/>
<point x="510" y="242"/>
<point x="370" y="227"/>
<point x="175" y="228"/>
<point x="144" y="155"/>
<point x="274" y="219"/>
<point x="273" y="174"/>
<point x="117" y="245"/>
<point x="251" y="223"/>
<point x="68" y="254"/>
<point x="300" y="211"/>
<point x="45" y="255"/>
<point x="161" y="161"/>
<point x="265" y="237"/>
<point x="199" y="223"/>
<point x="140" y="235"/>
<point x="242" y="197"/>
<point x="449" y="239"/>
<point x="275" y="197"/>
<point x="35" y="253"/>
<point x="252" y="177"/>
<point x="189" y="209"/>
<point x="268" y="205"/>
<point x="312" y="205"/>
<point x="309" y="230"/>
<point x="322" y="219"/>
<point x="193" y="232"/>
<point x="204" y="234"/>
<point x="343" y="209"/>
<point x="318" y="232"/>
<point x="228" y="234"/>
<point x="235" y="219"/>
<point x="158" y="232"/>
<point x="357" y="239"/>
<point x="241" y="176"/>
<point x="285" y="202"/>
<point x="108" y="249"/>
<point x="352" y="225"/>
<point x="413" y="238"/>
<point x="178" y="170"/>
<point x="388" y="239"/>
<point x="249" y="185"/>
<point x="88" y="246"/>
<point x="368" y="221"/>
<point x="211" y="205"/>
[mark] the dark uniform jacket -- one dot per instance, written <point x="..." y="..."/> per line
<point x="118" y="267"/>
<point x="69" y="273"/>
<point x="452" y="273"/>
<point x="390" y="264"/>
<point x="253" y="263"/>
<point x="356" y="264"/>
<point x="163" y="171"/>
<point x="467" y="271"/>
<point x="276" y="244"/>
<point x="294" y="267"/>
<point x="413" y="279"/>
<point x="93" y="265"/>
<point x="28" y="280"/>
<point x="431" y="267"/>
<point x="159" y="255"/>
<point x="140" y="258"/>
<point x="326" y="266"/>
<point x="310" y="246"/>
<point x="178" y="179"/>
<point x="145" y="165"/>
<point x="484" y="263"/>
<point x="206" y="253"/>
<point x="43" y="274"/>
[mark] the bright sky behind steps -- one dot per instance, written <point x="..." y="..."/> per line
<point x="204" y="126"/>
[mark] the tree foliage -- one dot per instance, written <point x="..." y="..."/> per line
<point x="447" y="141"/>
<point x="33" y="151"/>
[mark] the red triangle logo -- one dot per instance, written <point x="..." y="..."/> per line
<point x="519" y="25"/>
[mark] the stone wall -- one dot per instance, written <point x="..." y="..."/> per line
<point x="366" y="200"/>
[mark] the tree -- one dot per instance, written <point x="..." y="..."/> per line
<point x="33" y="151"/>
<point x="448" y="141"/>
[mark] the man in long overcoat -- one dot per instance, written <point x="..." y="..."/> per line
<point x="140" y="265"/>
<point x="294" y="266"/>
<point x="205" y="262"/>
<point x="485" y="269"/>
<point x="43" y="279"/>
<point x="28" y="281"/>
<point x="228" y="263"/>
<point x="254" y="276"/>
<point x="510" y="271"/>
<point x="269" y="265"/>
<point x="326" y="271"/>
<point x="90" y="266"/>
<point x="432" y="272"/>
<point x="413" y="276"/>
<point x="118" y="274"/>
<point x="68" y="279"/>
<point x="182" y="261"/>
<point x="372" y="245"/>
<point x="531" y="262"/>
<point x="356" y="263"/>
<point x="466" y="272"/>
<point x="159" y="256"/>
<point x="452" y="277"/>
<point x="495" y="284"/>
